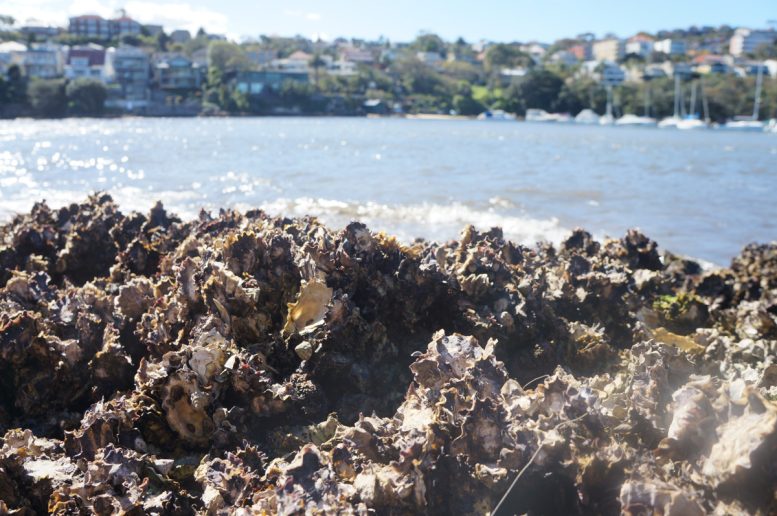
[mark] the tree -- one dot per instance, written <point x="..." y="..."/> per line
<point x="86" y="96"/>
<point x="426" y="42"/>
<point x="316" y="62"/>
<point x="47" y="97"/>
<point x="162" y="40"/>
<point x="227" y="57"/>
<point x="540" y="89"/>
<point x="16" y="89"/>
<point x="506" y="56"/>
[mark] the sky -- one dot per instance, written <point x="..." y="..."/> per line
<point x="402" y="20"/>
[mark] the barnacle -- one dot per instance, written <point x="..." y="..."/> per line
<point x="240" y="363"/>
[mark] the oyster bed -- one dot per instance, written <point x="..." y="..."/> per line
<point x="246" y="363"/>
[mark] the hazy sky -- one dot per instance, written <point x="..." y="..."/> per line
<point x="401" y="20"/>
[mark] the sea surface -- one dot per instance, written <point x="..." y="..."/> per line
<point x="701" y="194"/>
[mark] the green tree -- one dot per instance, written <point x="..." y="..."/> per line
<point x="316" y="63"/>
<point x="539" y="89"/>
<point x="16" y="89"/>
<point x="47" y="97"/>
<point x="227" y="57"/>
<point x="162" y="41"/>
<point x="506" y="56"/>
<point x="86" y="97"/>
<point x="426" y="42"/>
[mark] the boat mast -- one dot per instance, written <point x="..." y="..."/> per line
<point x="676" y="94"/>
<point x="609" y="102"/>
<point x="704" y="103"/>
<point x="758" y="85"/>
<point x="692" y="105"/>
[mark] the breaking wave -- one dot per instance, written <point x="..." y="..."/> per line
<point x="429" y="221"/>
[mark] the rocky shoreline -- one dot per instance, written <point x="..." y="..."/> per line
<point x="246" y="363"/>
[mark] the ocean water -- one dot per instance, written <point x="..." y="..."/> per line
<point x="702" y="194"/>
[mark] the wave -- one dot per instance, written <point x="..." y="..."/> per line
<point x="426" y="220"/>
<point x="429" y="221"/>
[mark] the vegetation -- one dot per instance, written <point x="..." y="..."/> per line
<point x="463" y="81"/>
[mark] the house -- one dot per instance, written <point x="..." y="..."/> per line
<point x="201" y="57"/>
<point x="771" y="65"/>
<point x="44" y="61"/>
<point x="343" y="68"/>
<point x="125" y="25"/>
<point x="153" y="30"/>
<point x="612" y="49"/>
<point x="432" y="59"/>
<point x="298" y="62"/>
<point x="564" y="57"/>
<point x="670" y="47"/>
<point x="535" y="50"/>
<point x="39" y="32"/>
<point x="85" y="61"/>
<point x="127" y="71"/>
<point x="177" y="72"/>
<point x="606" y="72"/>
<point x="180" y="36"/>
<point x="708" y="63"/>
<point x="259" y="82"/>
<point x="96" y="27"/>
<point x="612" y="74"/>
<point x="90" y="26"/>
<point x="640" y="45"/>
<point x="356" y="55"/>
<point x="582" y="52"/>
<point x="747" y="41"/>
<point x="261" y="58"/>
<point x="11" y="53"/>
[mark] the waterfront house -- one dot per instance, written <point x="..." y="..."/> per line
<point x="263" y="81"/>
<point x="261" y="58"/>
<point x="707" y="63"/>
<point x="180" y="36"/>
<point x="298" y="62"/>
<point x="582" y="52"/>
<point x="96" y="27"/>
<point x="356" y="55"/>
<point x="670" y="47"/>
<point x="564" y="57"/>
<point x="431" y="59"/>
<point x="177" y="73"/>
<point x="127" y="71"/>
<point x="640" y="45"/>
<point x="44" y="61"/>
<point x="747" y="41"/>
<point x="611" y="49"/>
<point x="11" y="53"/>
<point x="85" y="61"/>
<point x="153" y="30"/>
<point x="90" y="26"/>
<point x="39" y="32"/>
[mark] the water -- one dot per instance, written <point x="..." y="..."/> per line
<point x="703" y="194"/>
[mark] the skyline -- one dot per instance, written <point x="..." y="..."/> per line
<point x="516" y="20"/>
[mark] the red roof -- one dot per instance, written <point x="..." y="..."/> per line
<point x="88" y="17"/>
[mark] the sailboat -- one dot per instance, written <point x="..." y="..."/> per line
<point x="691" y="122"/>
<point x="607" y="118"/>
<point x="587" y="117"/>
<point x="672" y="121"/>
<point x="751" y="123"/>
<point x="639" y="121"/>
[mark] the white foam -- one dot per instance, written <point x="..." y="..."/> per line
<point x="431" y="221"/>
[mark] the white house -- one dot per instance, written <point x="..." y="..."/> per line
<point x="747" y="41"/>
<point x="671" y="47"/>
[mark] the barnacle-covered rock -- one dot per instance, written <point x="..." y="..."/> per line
<point x="245" y="364"/>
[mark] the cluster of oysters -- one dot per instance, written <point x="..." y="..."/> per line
<point x="245" y="364"/>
